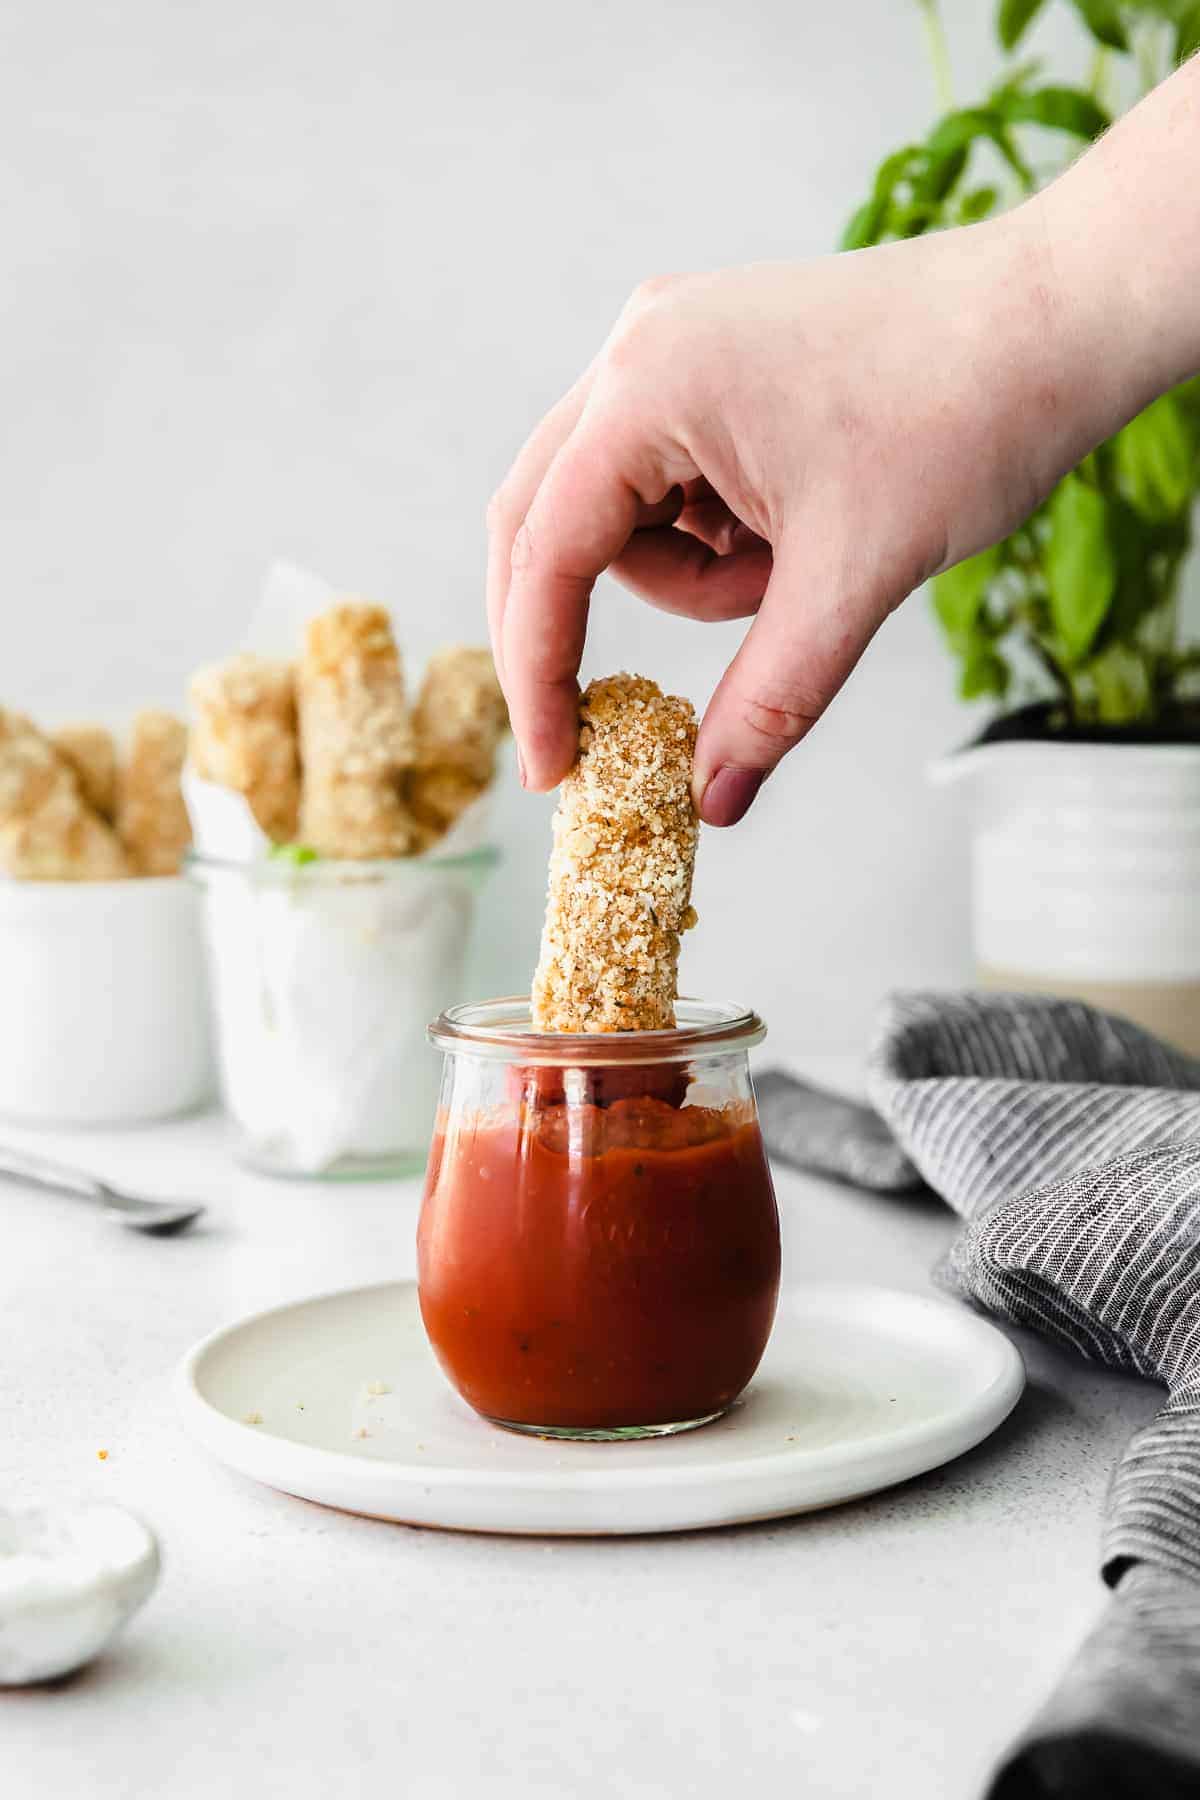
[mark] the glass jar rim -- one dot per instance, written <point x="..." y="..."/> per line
<point x="501" y="1030"/>
<point x="335" y="871"/>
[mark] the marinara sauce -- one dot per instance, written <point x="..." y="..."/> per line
<point x="598" y="1255"/>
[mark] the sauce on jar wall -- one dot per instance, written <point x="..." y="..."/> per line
<point x="594" y="1258"/>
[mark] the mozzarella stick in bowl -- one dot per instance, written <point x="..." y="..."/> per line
<point x="48" y="832"/>
<point x="356" y="737"/>
<point x="152" y="820"/>
<point x="92" y="752"/>
<point x="621" y="866"/>
<point x="459" y="720"/>
<point x="244" y="737"/>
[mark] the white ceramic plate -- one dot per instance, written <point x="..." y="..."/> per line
<point x="860" y="1387"/>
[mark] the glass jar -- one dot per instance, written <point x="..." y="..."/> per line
<point x="598" y="1248"/>
<point x="323" y="976"/>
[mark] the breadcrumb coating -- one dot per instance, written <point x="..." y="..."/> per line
<point x="460" y="715"/>
<point x="621" y="867"/>
<point x="244" y="737"/>
<point x="459" y="719"/>
<point x="356" y="737"/>
<point x="152" y="820"/>
<point x="438" y="797"/>
<point x="48" y="832"/>
<point x="92" y="752"/>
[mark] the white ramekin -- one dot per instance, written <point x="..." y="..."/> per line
<point x="103" y="1009"/>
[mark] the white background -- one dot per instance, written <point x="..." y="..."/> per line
<point x="288" y="279"/>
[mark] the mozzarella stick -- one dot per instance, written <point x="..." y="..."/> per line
<point x="356" y="738"/>
<point x="152" y="820"/>
<point x="458" y="721"/>
<point x="48" y="832"/>
<point x="621" y="866"/>
<point x="244" y="737"/>
<point x="91" y="752"/>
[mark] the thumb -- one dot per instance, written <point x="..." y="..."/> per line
<point x="809" y="633"/>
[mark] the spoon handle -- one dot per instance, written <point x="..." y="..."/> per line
<point x="26" y="1165"/>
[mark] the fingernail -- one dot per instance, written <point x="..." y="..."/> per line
<point x="728" y="795"/>
<point x="521" y="766"/>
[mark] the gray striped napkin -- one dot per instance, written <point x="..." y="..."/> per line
<point x="1069" y="1143"/>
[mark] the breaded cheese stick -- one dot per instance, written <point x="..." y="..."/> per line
<point x="152" y="820"/>
<point x="244" y="737"/>
<point x="48" y="832"/>
<point x="621" y="867"/>
<point x="459" y="719"/>
<point x="92" y="753"/>
<point x="356" y="738"/>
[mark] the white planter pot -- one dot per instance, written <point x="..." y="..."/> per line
<point x="1085" y="871"/>
<point x="103" y="1010"/>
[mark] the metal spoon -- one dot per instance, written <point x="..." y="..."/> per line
<point x="161" y="1218"/>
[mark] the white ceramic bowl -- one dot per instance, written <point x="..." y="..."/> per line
<point x="104" y="1018"/>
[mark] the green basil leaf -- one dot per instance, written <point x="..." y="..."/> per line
<point x="1090" y="470"/>
<point x="959" y="130"/>
<point x="939" y="175"/>
<point x="959" y="594"/>
<point x="1059" y="108"/>
<point x="1006" y="145"/>
<point x="1018" y="77"/>
<point x="1171" y="10"/>
<point x="983" y="672"/>
<point x="1187" y="34"/>
<point x="1156" y="461"/>
<point x="1187" y="397"/>
<point x="911" y="221"/>
<point x="1079" y="565"/>
<point x="1013" y="19"/>
<point x="894" y="168"/>
<point x="1141" y="589"/>
<point x="296" y="855"/>
<point x="977" y="204"/>
<point x="1103" y="20"/>
<point x="1122" y="684"/>
<point x="865" y="226"/>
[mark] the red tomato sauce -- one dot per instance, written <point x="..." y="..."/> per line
<point x="599" y="1265"/>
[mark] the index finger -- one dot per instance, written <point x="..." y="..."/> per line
<point x="593" y="497"/>
<point x="511" y="502"/>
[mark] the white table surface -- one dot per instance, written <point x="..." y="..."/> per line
<point x="893" y="1646"/>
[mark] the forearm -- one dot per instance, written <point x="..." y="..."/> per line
<point x="839" y="431"/>
<point x="1120" y="234"/>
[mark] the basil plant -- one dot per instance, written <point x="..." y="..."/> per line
<point x="1079" y="607"/>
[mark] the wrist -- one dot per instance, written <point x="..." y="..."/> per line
<point x="1072" y="334"/>
<point x="1120" y="232"/>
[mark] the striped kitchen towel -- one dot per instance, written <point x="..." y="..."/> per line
<point x="1069" y="1143"/>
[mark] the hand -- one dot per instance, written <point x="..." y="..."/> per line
<point x="803" y="444"/>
